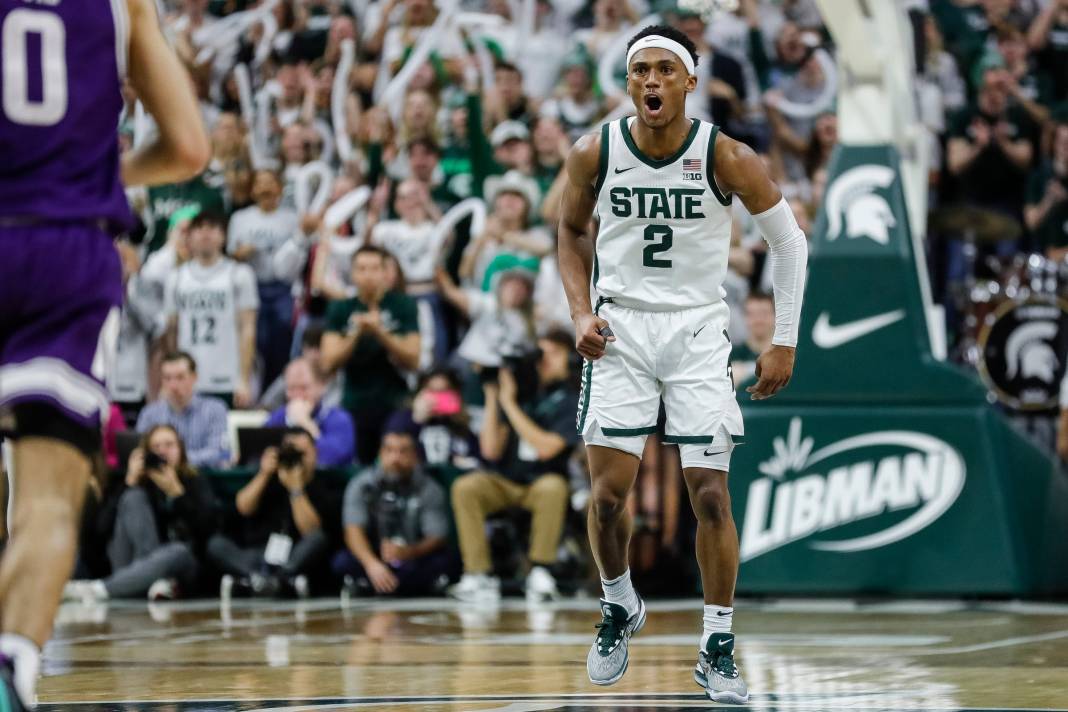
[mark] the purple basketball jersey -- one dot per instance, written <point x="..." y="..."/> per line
<point x="62" y="67"/>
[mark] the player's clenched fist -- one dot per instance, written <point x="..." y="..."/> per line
<point x="773" y="369"/>
<point x="591" y="335"/>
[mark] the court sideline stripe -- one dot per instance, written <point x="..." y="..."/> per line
<point x="995" y="644"/>
<point x="336" y="702"/>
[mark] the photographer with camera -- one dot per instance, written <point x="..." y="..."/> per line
<point x="529" y="432"/>
<point x="163" y="519"/>
<point x="396" y="526"/>
<point x="285" y="516"/>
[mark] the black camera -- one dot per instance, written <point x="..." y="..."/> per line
<point x="524" y="368"/>
<point x="290" y="456"/>
<point x="391" y="508"/>
<point x="154" y="461"/>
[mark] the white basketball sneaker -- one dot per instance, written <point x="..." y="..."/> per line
<point x="476" y="588"/>
<point x="541" y="586"/>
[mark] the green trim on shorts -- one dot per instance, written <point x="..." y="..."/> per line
<point x="587" y="381"/>
<point x="688" y="439"/>
<point x="588" y="376"/>
<point x="699" y="439"/>
<point x="625" y="432"/>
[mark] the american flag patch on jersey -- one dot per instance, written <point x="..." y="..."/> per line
<point x="691" y="169"/>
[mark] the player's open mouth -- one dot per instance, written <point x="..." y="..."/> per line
<point x="653" y="103"/>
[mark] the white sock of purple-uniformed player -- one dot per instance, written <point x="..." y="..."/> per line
<point x="717" y="620"/>
<point x="26" y="656"/>
<point x="621" y="591"/>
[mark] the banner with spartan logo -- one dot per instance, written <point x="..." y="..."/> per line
<point x="880" y="469"/>
<point x="863" y="335"/>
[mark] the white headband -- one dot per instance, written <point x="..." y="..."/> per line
<point x="661" y="42"/>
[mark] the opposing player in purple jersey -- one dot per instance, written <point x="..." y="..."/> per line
<point x="62" y="64"/>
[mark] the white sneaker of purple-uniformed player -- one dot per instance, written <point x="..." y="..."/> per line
<point x="85" y="591"/>
<point x="476" y="588"/>
<point x="164" y="589"/>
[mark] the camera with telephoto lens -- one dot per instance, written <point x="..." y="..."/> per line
<point x="524" y="368"/>
<point x="290" y="456"/>
<point x="154" y="461"/>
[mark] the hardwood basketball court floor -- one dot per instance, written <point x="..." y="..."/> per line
<point x="375" y="655"/>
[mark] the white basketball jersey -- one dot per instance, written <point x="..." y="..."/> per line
<point x="205" y="300"/>
<point x="665" y="227"/>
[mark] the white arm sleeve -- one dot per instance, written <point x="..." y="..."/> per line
<point x="789" y="262"/>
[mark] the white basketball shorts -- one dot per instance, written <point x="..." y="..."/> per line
<point x="681" y="357"/>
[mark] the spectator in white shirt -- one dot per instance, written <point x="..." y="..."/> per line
<point x="127" y="377"/>
<point x="256" y="237"/>
<point x="210" y="306"/>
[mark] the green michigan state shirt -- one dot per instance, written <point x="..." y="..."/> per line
<point x="372" y="382"/>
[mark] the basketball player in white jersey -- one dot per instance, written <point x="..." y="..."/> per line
<point x="662" y="185"/>
<point x="211" y="303"/>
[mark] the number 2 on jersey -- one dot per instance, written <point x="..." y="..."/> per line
<point x="663" y="233"/>
<point x="50" y="106"/>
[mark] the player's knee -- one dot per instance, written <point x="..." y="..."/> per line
<point x="47" y="523"/>
<point x="712" y="503"/>
<point x="608" y="505"/>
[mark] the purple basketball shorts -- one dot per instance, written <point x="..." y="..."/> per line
<point x="60" y="293"/>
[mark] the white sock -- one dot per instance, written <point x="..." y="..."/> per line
<point x="621" y="592"/>
<point x="27" y="658"/>
<point x="717" y="620"/>
<point x="98" y="589"/>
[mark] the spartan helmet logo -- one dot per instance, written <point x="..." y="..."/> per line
<point x="870" y="216"/>
<point x="1029" y="353"/>
<point x="867" y="214"/>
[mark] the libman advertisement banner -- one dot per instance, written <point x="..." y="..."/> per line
<point x="880" y="468"/>
<point x="923" y="500"/>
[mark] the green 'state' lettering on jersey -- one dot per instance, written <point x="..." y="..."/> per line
<point x="666" y="203"/>
<point x="664" y="228"/>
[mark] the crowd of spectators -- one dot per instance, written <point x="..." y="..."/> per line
<point x="320" y="269"/>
